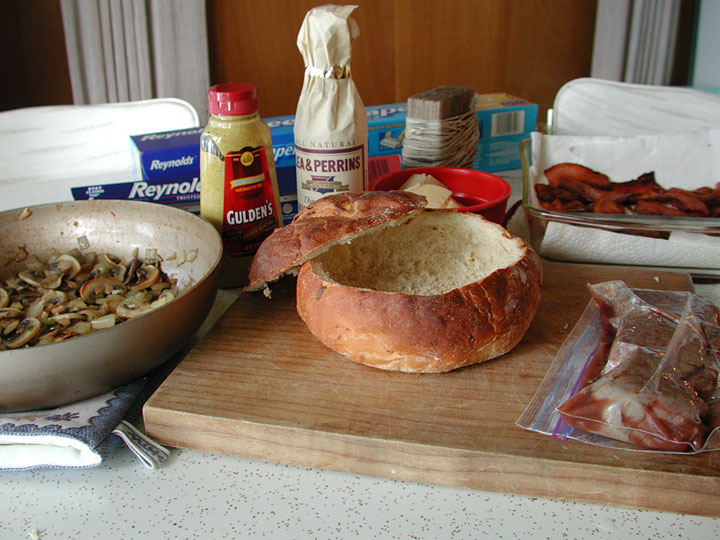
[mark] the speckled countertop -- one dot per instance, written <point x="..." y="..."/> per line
<point x="199" y="495"/>
<point x="206" y="496"/>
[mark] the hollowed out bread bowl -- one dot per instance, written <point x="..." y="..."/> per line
<point x="433" y="293"/>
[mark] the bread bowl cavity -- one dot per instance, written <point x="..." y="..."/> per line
<point x="429" y="255"/>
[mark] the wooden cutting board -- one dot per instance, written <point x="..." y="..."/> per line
<point x="259" y="385"/>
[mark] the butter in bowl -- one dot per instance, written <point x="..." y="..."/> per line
<point x="453" y="188"/>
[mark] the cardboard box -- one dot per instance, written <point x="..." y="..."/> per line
<point x="181" y="192"/>
<point x="168" y="154"/>
<point x="504" y="121"/>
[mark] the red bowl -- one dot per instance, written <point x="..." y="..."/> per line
<point x="481" y="192"/>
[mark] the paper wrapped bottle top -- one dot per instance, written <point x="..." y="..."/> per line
<point x="331" y="131"/>
<point x="326" y="36"/>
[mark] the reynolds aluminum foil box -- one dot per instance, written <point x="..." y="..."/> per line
<point x="168" y="154"/>
<point x="181" y="192"/>
<point x="166" y="170"/>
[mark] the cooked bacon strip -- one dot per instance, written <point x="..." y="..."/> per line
<point x="709" y="196"/>
<point x="653" y="208"/>
<point x="687" y="201"/>
<point x="612" y="203"/>
<point x="575" y="188"/>
<point x="548" y="194"/>
<point x="584" y="192"/>
<point x="576" y="206"/>
<point x="561" y="171"/>
<point x="644" y="184"/>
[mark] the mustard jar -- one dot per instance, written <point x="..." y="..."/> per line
<point x="238" y="183"/>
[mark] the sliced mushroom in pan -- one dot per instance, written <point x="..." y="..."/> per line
<point x="74" y="294"/>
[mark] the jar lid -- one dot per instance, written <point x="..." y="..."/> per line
<point x="233" y="98"/>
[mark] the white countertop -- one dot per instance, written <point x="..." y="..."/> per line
<point x="200" y="495"/>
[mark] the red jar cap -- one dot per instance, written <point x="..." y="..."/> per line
<point x="232" y="99"/>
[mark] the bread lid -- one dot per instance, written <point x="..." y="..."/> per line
<point x="334" y="219"/>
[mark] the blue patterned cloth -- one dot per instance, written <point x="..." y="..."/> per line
<point x="78" y="435"/>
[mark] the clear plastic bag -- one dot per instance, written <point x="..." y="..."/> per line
<point x="640" y="370"/>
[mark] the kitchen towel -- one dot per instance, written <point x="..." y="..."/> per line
<point x="78" y="435"/>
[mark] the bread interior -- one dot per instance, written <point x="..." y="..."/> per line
<point x="433" y="253"/>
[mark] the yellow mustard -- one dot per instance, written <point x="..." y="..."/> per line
<point x="238" y="184"/>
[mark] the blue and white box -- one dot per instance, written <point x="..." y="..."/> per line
<point x="181" y="192"/>
<point x="504" y="121"/>
<point x="169" y="154"/>
<point x="166" y="170"/>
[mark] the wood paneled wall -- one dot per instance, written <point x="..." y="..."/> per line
<point x="33" y="57"/>
<point x="529" y="48"/>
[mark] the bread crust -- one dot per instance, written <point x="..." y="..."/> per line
<point x="423" y="334"/>
<point x="329" y="220"/>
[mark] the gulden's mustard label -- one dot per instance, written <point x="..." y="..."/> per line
<point x="249" y="212"/>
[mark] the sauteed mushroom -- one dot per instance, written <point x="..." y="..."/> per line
<point x="138" y="304"/>
<point x="26" y="330"/>
<point x="73" y="294"/>
<point x="49" y="280"/>
<point x="68" y="265"/>
<point x="91" y="290"/>
<point x="146" y="276"/>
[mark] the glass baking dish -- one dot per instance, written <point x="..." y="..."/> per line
<point x="618" y="239"/>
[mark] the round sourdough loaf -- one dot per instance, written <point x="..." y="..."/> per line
<point x="434" y="293"/>
<point x="330" y="220"/>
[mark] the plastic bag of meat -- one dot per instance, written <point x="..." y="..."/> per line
<point x="641" y="367"/>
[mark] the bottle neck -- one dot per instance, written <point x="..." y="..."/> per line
<point x="234" y="117"/>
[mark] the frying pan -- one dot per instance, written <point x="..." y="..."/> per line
<point x="58" y="373"/>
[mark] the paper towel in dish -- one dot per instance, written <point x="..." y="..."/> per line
<point x="686" y="160"/>
<point x="585" y="244"/>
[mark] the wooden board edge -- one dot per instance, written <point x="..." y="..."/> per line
<point x="443" y="466"/>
